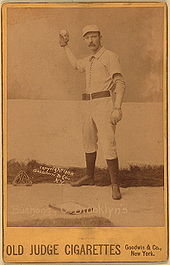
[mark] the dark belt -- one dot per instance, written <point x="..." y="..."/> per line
<point x="101" y="94"/>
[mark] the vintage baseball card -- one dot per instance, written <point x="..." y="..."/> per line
<point x="84" y="90"/>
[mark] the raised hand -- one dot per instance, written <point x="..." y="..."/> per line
<point x="63" y="37"/>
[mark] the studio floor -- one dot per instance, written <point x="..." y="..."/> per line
<point x="139" y="206"/>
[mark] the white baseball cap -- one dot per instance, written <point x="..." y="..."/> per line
<point x="90" y="28"/>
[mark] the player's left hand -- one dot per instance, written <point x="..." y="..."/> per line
<point x="116" y="116"/>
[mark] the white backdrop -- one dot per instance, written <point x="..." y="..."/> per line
<point x="50" y="132"/>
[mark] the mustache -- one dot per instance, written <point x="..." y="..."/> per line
<point x="92" y="45"/>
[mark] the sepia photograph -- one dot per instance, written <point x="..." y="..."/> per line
<point x="85" y="105"/>
<point x="85" y="124"/>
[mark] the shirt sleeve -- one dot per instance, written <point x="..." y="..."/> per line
<point x="114" y="64"/>
<point x="80" y="65"/>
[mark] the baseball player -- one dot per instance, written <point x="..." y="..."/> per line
<point x="101" y="104"/>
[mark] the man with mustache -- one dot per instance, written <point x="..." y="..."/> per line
<point x="101" y="108"/>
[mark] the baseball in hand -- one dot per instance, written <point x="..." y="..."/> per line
<point x="64" y="37"/>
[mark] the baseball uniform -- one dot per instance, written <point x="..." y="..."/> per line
<point x="96" y="122"/>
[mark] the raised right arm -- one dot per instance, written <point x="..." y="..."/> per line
<point x="63" y="40"/>
<point x="72" y="59"/>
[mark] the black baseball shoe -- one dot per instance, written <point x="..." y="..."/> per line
<point x="116" y="195"/>
<point x="85" y="180"/>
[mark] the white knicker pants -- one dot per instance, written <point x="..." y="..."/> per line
<point x="96" y="125"/>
